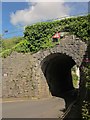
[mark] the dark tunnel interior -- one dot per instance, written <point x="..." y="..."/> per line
<point x="57" y="70"/>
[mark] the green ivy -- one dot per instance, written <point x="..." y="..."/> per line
<point x="39" y="35"/>
<point x="86" y="110"/>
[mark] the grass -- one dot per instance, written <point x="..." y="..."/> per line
<point x="9" y="43"/>
<point x="18" y="44"/>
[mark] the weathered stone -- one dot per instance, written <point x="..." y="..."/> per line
<point x="22" y="74"/>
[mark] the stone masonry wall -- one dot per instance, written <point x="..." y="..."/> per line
<point x="69" y="45"/>
<point x="19" y="77"/>
<point x="22" y="75"/>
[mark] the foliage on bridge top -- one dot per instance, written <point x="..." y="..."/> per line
<point x="39" y="35"/>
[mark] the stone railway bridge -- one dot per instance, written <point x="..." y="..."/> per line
<point x="50" y="70"/>
<point x="55" y="64"/>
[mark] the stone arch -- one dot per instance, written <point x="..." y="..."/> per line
<point x="69" y="52"/>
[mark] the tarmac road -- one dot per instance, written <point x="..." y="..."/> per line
<point x="46" y="108"/>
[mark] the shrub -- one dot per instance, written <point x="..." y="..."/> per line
<point x="6" y="53"/>
<point x="23" y="46"/>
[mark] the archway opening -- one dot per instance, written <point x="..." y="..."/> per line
<point x="75" y="76"/>
<point x="57" y="71"/>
